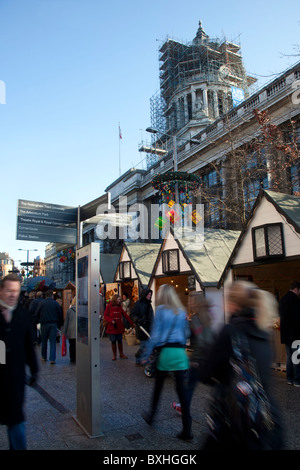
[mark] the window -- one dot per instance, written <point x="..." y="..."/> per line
<point x="268" y="241"/>
<point x="125" y="270"/>
<point x="295" y="178"/>
<point x="170" y="261"/>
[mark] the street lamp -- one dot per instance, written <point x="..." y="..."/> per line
<point x="152" y="130"/>
<point x="27" y="264"/>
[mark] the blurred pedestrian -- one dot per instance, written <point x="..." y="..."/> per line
<point x="289" y="310"/>
<point x="28" y="302"/>
<point x="169" y="333"/>
<point x="58" y="299"/>
<point x="69" y="329"/>
<point x="16" y="333"/>
<point x="50" y="316"/>
<point x="33" y="310"/>
<point x="113" y="315"/>
<point x="252" y="314"/>
<point x="142" y="316"/>
<point x="200" y="340"/>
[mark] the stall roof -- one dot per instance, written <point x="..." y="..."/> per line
<point x="287" y="205"/>
<point x="143" y="257"/>
<point x="209" y="257"/>
<point x="108" y="266"/>
<point x="207" y="254"/>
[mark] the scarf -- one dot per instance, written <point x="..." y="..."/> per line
<point x="7" y="310"/>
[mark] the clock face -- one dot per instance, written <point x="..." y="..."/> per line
<point x="224" y="72"/>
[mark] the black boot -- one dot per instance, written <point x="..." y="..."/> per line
<point x="148" y="417"/>
<point x="186" y="433"/>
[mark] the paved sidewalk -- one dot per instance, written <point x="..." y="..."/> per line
<point x="125" y="392"/>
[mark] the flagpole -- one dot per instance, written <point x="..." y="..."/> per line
<point x="119" y="150"/>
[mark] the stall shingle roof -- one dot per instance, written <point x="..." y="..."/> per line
<point x="286" y="204"/>
<point x="143" y="257"/>
<point x="208" y="253"/>
<point x="108" y="266"/>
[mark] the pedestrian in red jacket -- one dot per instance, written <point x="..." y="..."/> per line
<point x="113" y="315"/>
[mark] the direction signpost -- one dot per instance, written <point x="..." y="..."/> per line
<point x="44" y="222"/>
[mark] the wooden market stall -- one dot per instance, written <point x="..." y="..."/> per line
<point x="195" y="263"/>
<point x="268" y="251"/>
<point x="135" y="267"/>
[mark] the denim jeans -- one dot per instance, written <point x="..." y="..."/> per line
<point x="292" y="370"/>
<point x="48" y="331"/>
<point x="16" y="436"/>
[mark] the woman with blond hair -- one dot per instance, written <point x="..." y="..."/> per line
<point x="170" y="332"/>
<point x="251" y="314"/>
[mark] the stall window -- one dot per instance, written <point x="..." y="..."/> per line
<point x="125" y="270"/>
<point x="170" y="261"/>
<point x="268" y="241"/>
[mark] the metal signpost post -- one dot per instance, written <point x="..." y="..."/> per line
<point x="88" y="339"/>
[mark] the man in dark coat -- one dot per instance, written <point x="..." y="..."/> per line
<point x="289" y="310"/>
<point x="16" y="334"/>
<point x="50" y="316"/>
<point x="142" y="316"/>
<point x="33" y="310"/>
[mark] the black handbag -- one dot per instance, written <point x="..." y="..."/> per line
<point x="151" y="366"/>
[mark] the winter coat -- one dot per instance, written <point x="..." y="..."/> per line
<point x="289" y="311"/>
<point x="201" y="338"/>
<point x="115" y="313"/>
<point x="217" y="365"/>
<point x="69" y="328"/>
<point x="17" y="337"/>
<point x="142" y="315"/>
<point x="168" y="328"/>
<point x="33" y="309"/>
<point x="49" y="311"/>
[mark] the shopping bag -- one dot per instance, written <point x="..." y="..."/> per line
<point x="64" y="345"/>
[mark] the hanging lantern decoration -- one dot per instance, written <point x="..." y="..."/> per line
<point x="165" y="184"/>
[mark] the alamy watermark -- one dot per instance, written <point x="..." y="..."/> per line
<point x="296" y="354"/>
<point x="2" y="353"/>
<point x="154" y="222"/>
<point x="2" y="92"/>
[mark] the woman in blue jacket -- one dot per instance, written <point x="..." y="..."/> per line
<point x="169" y="333"/>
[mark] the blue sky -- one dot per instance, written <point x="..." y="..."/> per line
<point x="75" y="69"/>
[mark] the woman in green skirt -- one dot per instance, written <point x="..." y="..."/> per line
<point x="169" y="334"/>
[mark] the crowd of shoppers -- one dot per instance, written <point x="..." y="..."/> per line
<point x="166" y="329"/>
